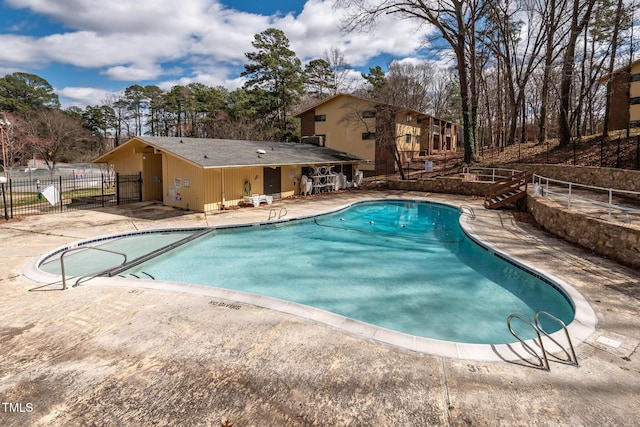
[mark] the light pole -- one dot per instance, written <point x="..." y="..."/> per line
<point x="3" y="180"/>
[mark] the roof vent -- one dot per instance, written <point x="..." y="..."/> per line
<point x="261" y="152"/>
<point x="206" y="157"/>
<point x="181" y="142"/>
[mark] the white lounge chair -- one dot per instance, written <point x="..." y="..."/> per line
<point x="305" y="185"/>
<point x="357" y="180"/>
<point x="256" y="199"/>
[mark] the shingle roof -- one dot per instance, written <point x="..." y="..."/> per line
<point x="359" y="98"/>
<point x="216" y="153"/>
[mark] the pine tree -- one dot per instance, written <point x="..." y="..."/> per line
<point x="275" y="73"/>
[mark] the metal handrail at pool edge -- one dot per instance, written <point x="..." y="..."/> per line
<point x="66" y="251"/>
<point x="573" y="359"/>
<point x="276" y="214"/>
<point x="538" y="179"/>
<point x="469" y="211"/>
<point x="544" y="362"/>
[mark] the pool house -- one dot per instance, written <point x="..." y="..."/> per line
<point x="203" y="174"/>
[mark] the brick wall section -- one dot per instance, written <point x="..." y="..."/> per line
<point x="619" y="105"/>
<point x="308" y="123"/>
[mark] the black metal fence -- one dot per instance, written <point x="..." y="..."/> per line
<point x="623" y="153"/>
<point x="22" y="197"/>
<point x="432" y="166"/>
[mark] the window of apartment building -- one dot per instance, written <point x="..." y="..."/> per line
<point x="634" y="124"/>
<point x="634" y="77"/>
<point x="407" y="138"/>
<point x="409" y="118"/>
<point x="635" y="100"/>
<point x="321" y="118"/>
<point x="368" y="135"/>
<point x="368" y="114"/>
<point x="447" y="130"/>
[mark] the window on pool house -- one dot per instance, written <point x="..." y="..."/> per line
<point x="368" y="135"/>
<point x="321" y="118"/>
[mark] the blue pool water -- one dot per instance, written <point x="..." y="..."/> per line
<point x="84" y="261"/>
<point x="402" y="265"/>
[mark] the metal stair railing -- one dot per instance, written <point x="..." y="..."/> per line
<point x="62" y="272"/>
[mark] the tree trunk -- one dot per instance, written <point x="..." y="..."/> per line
<point x="546" y="76"/>
<point x="566" y="79"/>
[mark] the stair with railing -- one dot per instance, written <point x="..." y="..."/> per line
<point x="507" y="191"/>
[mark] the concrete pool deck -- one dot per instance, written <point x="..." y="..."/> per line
<point x="131" y="356"/>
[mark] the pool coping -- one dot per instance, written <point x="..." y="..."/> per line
<point x="581" y="328"/>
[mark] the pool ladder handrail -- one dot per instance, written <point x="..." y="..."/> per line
<point x="571" y="358"/>
<point x="469" y="211"/>
<point x="543" y="361"/>
<point x="539" y="330"/>
<point x="69" y="250"/>
<point x="273" y="213"/>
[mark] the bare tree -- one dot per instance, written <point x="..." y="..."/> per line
<point x="442" y="95"/>
<point x="553" y="18"/>
<point x="580" y="16"/>
<point x="340" y="69"/>
<point x="379" y="122"/>
<point x="121" y="126"/>
<point x="519" y="51"/>
<point x="15" y="150"/>
<point x="408" y="84"/>
<point x="54" y="135"/>
<point x="454" y="19"/>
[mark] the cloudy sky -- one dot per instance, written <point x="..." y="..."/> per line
<point x="87" y="49"/>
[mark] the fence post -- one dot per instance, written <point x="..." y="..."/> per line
<point x="11" y="196"/>
<point x="638" y="152"/>
<point x="102" y="190"/>
<point x="118" y="188"/>
<point x="60" y="182"/>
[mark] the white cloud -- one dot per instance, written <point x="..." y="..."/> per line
<point x="134" y="72"/>
<point x="82" y="96"/>
<point x="150" y="41"/>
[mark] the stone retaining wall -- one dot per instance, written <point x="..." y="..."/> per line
<point x="619" y="179"/>
<point x="609" y="239"/>
<point x="446" y="184"/>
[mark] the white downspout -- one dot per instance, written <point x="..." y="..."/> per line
<point x="222" y="173"/>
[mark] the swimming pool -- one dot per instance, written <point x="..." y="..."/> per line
<point x="402" y="265"/>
